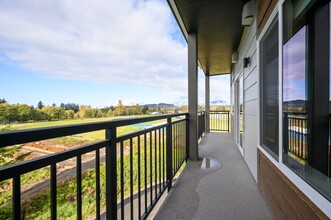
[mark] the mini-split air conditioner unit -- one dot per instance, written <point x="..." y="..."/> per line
<point x="248" y="13"/>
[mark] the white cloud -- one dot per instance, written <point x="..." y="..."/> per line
<point x="101" y="41"/>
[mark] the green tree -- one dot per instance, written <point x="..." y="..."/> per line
<point x="89" y="113"/>
<point x="40" y="105"/>
<point x="70" y="114"/>
<point x="145" y="109"/>
<point x="129" y="111"/>
<point x="24" y="112"/>
<point x="3" y="101"/>
<point x="54" y="113"/>
<point x="8" y="113"/>
<point x="137" y="109"/>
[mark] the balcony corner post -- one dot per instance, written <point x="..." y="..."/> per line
<point x="169" y="153"/>
<point x="111" y="175"/>
<point x="193" y="95"/>
<point x="207" y="100"/>
<point x="187" y="138"/>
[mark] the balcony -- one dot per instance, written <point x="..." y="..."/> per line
<point x="139" y="167"/>
<point x="219" y="186"/>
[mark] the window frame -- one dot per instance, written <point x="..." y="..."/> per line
<point x="321" y="202"/>
<point x="275" y="155"/>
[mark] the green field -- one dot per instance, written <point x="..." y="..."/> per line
<point x="38" y="207"/>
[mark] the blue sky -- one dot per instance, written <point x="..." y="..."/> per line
<point x="95" y="52"/>
<point x="294" y="67"/>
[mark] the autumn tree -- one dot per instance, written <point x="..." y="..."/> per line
<point x="120" y="109"/>
<point x="137" y="109"/>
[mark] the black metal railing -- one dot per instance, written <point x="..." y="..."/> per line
<point x="139" y="166"/>
<point x="219" y="121"/>
<point x="201" y="123"/>
<point x="295" y="134"/>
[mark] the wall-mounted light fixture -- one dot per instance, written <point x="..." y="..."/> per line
<point x="246" y="62"/>
<point x="235" y="57"/>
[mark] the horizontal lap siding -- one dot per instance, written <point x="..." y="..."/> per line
<point x="250" y="74"/>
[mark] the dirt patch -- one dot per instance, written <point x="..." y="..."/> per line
<point x="47" y="145"/>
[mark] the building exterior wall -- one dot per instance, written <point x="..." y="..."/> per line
<point x="250" y="108"/>
<point x="287" y="194"/>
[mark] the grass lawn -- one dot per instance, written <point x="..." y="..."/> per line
<point x="95" y="135"/>
<point x="37" y="207"/>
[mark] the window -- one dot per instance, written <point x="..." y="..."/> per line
<point x="306" y="92"/>
<point x="269" y="90"/>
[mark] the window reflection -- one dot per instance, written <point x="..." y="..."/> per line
<point x="306" y="97"/>
<point x="294" y="73"/>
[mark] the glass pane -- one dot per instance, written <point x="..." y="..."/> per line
<point x="306" y="123"/>
<point x="269" y="93"/>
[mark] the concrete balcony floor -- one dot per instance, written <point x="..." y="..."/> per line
<point x="227" y="190"/>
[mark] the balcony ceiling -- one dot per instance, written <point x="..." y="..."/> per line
<point x="218" y="24"/>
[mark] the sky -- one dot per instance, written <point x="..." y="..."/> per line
<point x="294" y="67"/>
<point x="95" y="53"/>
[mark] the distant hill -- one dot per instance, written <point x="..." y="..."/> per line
<point x="218" y="102"/>
<point x="161" y="105"/>
<point x="299" y="103"/>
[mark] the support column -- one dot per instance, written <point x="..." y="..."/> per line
<point x="193" y="95"/>
<point x="207" y="100"/>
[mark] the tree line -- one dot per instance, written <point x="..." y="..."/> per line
<point x="10" y="113"/>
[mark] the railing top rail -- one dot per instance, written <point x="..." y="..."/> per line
<point x="37" y="163"/>
<point x="9" y="138"/>
<point x="295" y="113"/>
<point x="219" y="111"/>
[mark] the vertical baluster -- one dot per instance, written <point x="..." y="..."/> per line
<point x="291" y="135"/>
<point x="301" y="138"/>
<point x="155" y="162"/>
<point x="150" y="167"/>
<point x="163" y="161"/>
<point x="176" y="150"/>
<point x="139" y="194"/>
<point x="297" y="137"/>
<point x="17" y="197"/>
<point x="228" y="118"/>
<point x="97" y="183"/>
<point x="159" y="130"/>
<point x="79" y="186"/>
<point x="111" y="176"/>
<point x="131" y="179"/>
<point x="53" y="192"/>
<point x="169" y="153"/>
<point x="145" y="166"/>
<point x="122" y="178"/>
<point x="181" y="142"/>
